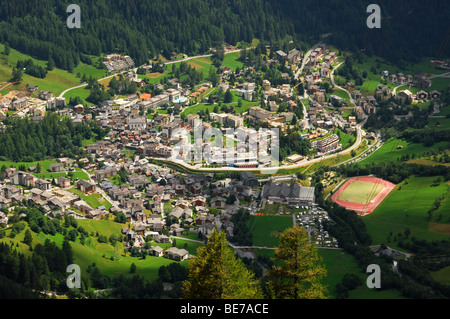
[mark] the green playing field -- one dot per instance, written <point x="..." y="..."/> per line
<point x="360" y="192"/>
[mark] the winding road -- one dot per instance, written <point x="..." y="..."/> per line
<point x="339" y="87"/>
<point x="169" y="62"/>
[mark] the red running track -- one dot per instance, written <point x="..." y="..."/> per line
<point x="362" y="209"/>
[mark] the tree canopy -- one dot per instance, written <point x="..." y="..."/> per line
<point x="298" y="270"/>
<point x="216" y="273"/>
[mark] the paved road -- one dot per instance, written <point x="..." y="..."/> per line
<point x="394" y="91"/>
<point x="305" y="60"/>
<point x="85" y="84"/>
<point x="302" y="163"/>
<point x="170" y="62"/>
<point x="339" y="87"/>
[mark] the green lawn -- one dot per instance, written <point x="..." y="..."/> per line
<point x="101" y="253"/>
<point x="338" y="263"/>
<point x="231" y="61"/>
<point x="346" y="140"/>
<point x="389" y="152"/>
<point x="372" y="80"/>
<point x="407" y="208"/>
<point x="93" y="200"/>
<point x="266" y="229"/>
<point x="56" y="80"/>
<point x="45" y="165"/>
<point x="442" y="275"/>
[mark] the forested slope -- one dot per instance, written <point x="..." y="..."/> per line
<point x="145" y="28"/>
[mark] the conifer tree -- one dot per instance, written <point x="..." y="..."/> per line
<point x="216" y="273"/>
<point x="297" y="271"/>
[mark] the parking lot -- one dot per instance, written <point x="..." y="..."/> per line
<point x="312" y="218"/>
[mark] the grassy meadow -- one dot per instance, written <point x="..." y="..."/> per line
<point x="389" y="152"/>
<point x="406" y="208"/>
<point x="56" y="80"/>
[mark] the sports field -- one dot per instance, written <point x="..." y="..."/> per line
<point x="362" y="194"/>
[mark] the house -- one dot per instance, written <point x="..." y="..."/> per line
<point x="294" y="56"/>
<point x="32" y="88"/>
<point x="281" y="55"/>
<point x="19" y="104"/>
<point x="404" y="97"/>
<point x="45" y="95"/>
<point x="58" y="167"/>
<point x="42" y="184"/>
<point x="138" y="180"/>
<point x="23" y="179"/>
<point x="199" y="201"/>
<point x="424" y="82"/>
<point x="156" y="251"/>
<point x="86" y="187"/>
<point x="96" y="214"/>
<point x="179" y="212"/>
<point x="218" y="202"/>
<point x="105" y="173"/>
<point x="162" y="239"/>
<point x="177" y="254"/>
<point x="63" y="182"/>
<point x="248" y="179"/>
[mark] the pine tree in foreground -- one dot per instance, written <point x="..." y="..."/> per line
<point x="298" y="271"/>
<point x="216" y="273"/>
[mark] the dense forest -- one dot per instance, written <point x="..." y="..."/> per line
<point x="144" y="29"/>
<point x="27" y="141"/>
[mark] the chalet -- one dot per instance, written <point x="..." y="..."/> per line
<point x="392" y="78"/>
<point x="19" y="104"/>
<point x="404" y="97"/>
<point x="199" y="201"/>
<point x="63" y="182"/>
<point x="294" y="56"/>
<point x="248" y="179"/>
<point x="281" y="55"/>
<point x="58" y="167"/>
<point x="370" y="109"/>
<point x="179" y="213"/>
<point x="177" y="254"/>
<point x="156" y="251"/>
<point x="86" y="187"/>
<point x="23" y="179"/>
<point x="82" y="206"/>
<point x="105" y="173"/>
<point x="424" y="82"/>
<point x="32" y="88"/>
<point x="42" y="184"/>
<point x="218" y="202"/>
<point x="45" y="95"/>
<point x="162" y="239"/>
<point x="96" y="214"/>
<point x="138" y="180"/>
